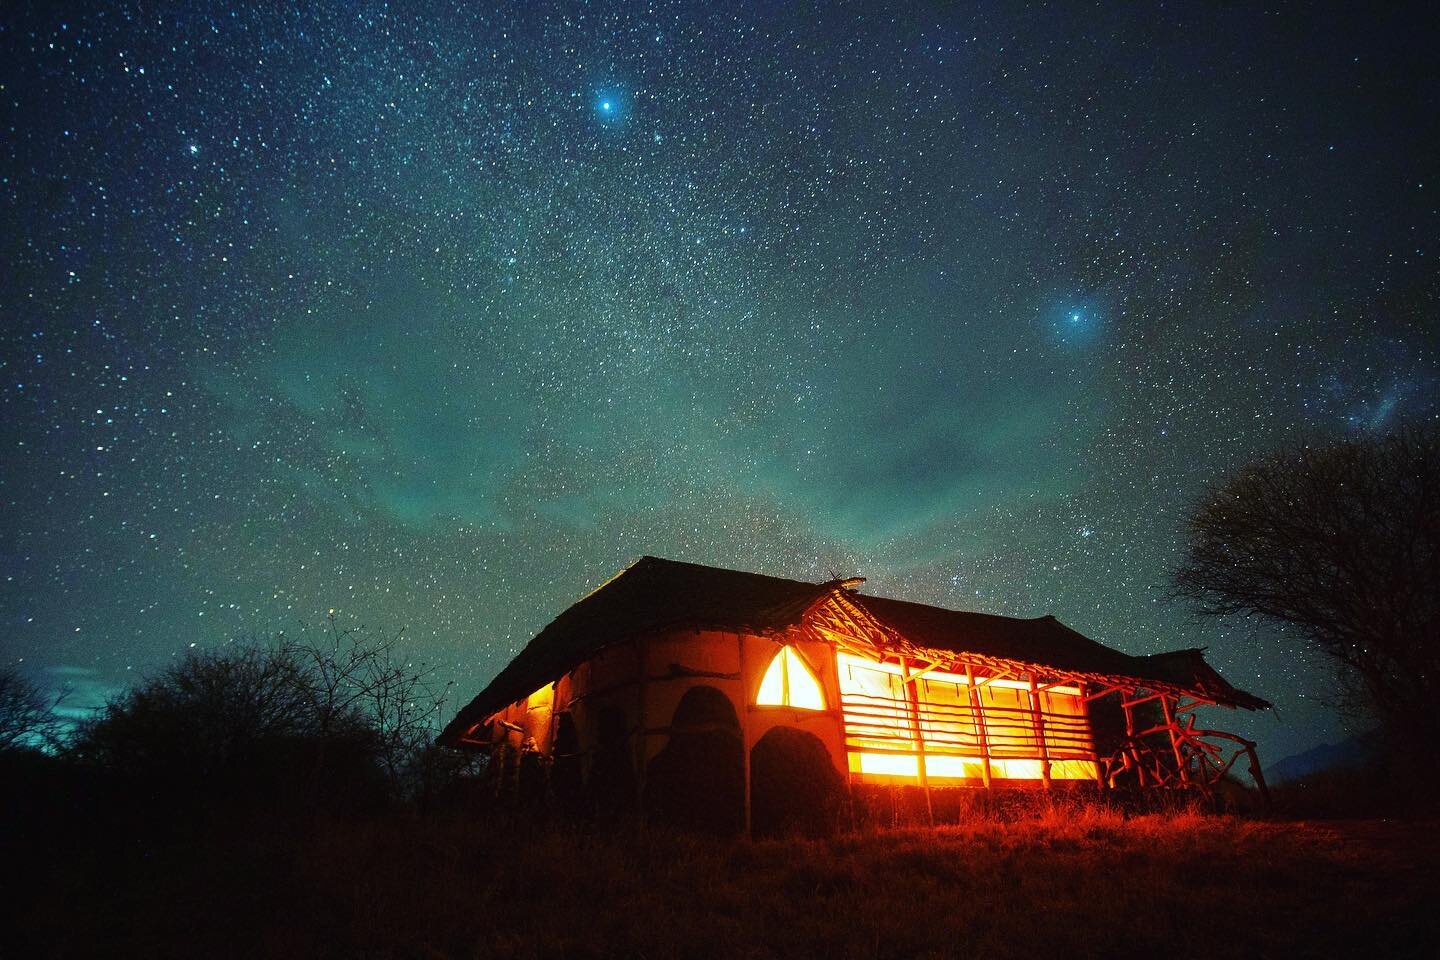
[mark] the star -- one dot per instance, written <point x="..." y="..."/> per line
<point x="1073" y="325"/>
<point x="610" y="105"/>
<point x="777" y="313"/>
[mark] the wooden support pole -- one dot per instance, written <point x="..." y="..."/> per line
<point x="1174" y="739"/>
<point x="554" y="724"/>
<point x="842" y="729"/>
<point x="1101" y="693"/>
<point x="1142" y="700"/>
<point x="912" y="696"/>
<point x="1129" y="754"/>
<point x="978" y="718"/>
<point x="1038" y="721"/>
<point x="1089" y="730"/>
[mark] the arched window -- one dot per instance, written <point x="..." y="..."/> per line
<point x="789" y="682"/>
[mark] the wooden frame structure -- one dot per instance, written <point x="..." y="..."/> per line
<point x="1175" y="754"/>
<point x="1197" y="758"/>
<point x="911" y="694"/>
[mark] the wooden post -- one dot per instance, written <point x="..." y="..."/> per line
<point x="912" y="696"/>
<point x="1128" y="755"/>
<point x="1180" y="770"/>
<point x="554" y="717"/>
<point x="1038" y="722"/>
<point x="744" y="726"/>
<point x="1084" y="689"/>
<point x="978" y="718"/>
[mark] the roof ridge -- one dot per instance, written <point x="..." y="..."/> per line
<point x="662" y="594"/>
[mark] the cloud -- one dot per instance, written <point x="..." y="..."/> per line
<point x="394" y="409"/>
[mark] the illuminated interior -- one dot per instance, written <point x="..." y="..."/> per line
<point x="789" y="682"/>
<point x="953" y="727"/>
<point x="539" y="709"/>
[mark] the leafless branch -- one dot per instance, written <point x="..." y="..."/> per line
<point x="1342" y="543"/>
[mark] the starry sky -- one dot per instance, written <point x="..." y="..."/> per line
<point x="436" y="315"/>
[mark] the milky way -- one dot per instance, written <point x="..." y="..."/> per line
<point x="437" y="316"/>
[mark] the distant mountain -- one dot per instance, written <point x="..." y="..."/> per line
<point x="1352" y="752"/>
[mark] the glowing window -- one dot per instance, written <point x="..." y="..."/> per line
<point x="789" y="682"/>
<point x="891" y="727"/>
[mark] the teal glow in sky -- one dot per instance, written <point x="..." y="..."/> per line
<point x="388" y="312"/>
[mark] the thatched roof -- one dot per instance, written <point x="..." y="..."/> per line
<point x="653" y="595"/>
<point x="1046" y="643"/>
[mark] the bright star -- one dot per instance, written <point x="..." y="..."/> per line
<point x="611" y="106"/>
<point x="1074" y="324"/>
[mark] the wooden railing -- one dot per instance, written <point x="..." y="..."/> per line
<point x="1182" y="756"/>
<point x="880" y="724"/>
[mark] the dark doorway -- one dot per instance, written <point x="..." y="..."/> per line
<point x="794" y="787"/>
<point x="612" y="774"/>
<point x="568" y="780"/>
<point x="697" y="782"/>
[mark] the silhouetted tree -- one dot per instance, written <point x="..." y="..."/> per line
<point x="339" y="720"/>
<point x="1342" y="543"/>
<point x="354" y="676"/>
<point x="28" y="720"/>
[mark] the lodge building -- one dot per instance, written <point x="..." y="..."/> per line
<point x="679" y="685"/>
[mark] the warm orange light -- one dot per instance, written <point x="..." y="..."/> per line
<point x="1073" y="770"/>
<point x="887" y="733"/>
<point x="789" y="682"/>
<point x="942" y="767"/>
<point x="772" y="685"/>
<point x="542" y="699"/>
<point x="884" y="764"/>
<point x="539" y="708"/>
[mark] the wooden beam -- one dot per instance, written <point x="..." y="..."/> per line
<point x="912" y="695"/>
<point x="978" y="718"/>
<point x="1130" y="756"/>
<point x="855" y="645"/>
<point x="1102" y="692"/>
<point x="1174" y="738"/>
<point x="554" y="718"/>
<point x="838" y="617"/>
<point x="924" y="670"/>
<point x="1038" y="720"/>
<point x="653" y="678"/>
<point x="1143" y="700"/>
<point x="1090" y="732"/>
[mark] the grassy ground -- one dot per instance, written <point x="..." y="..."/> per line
<point x="1072" y="881"/>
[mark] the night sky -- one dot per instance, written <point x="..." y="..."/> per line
<point x="437" y="316"/>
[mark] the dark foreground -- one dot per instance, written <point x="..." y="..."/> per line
<point x="1071" y="882"/>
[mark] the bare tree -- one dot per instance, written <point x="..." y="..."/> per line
<point x="28" y="720"/>
<point x="332" y="700"/>
<point x="1342" y="543"/>
<point x="211" y="707"/>
<point x="355" y="678"/>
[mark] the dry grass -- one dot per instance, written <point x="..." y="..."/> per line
<point x="1075" y="880"/>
